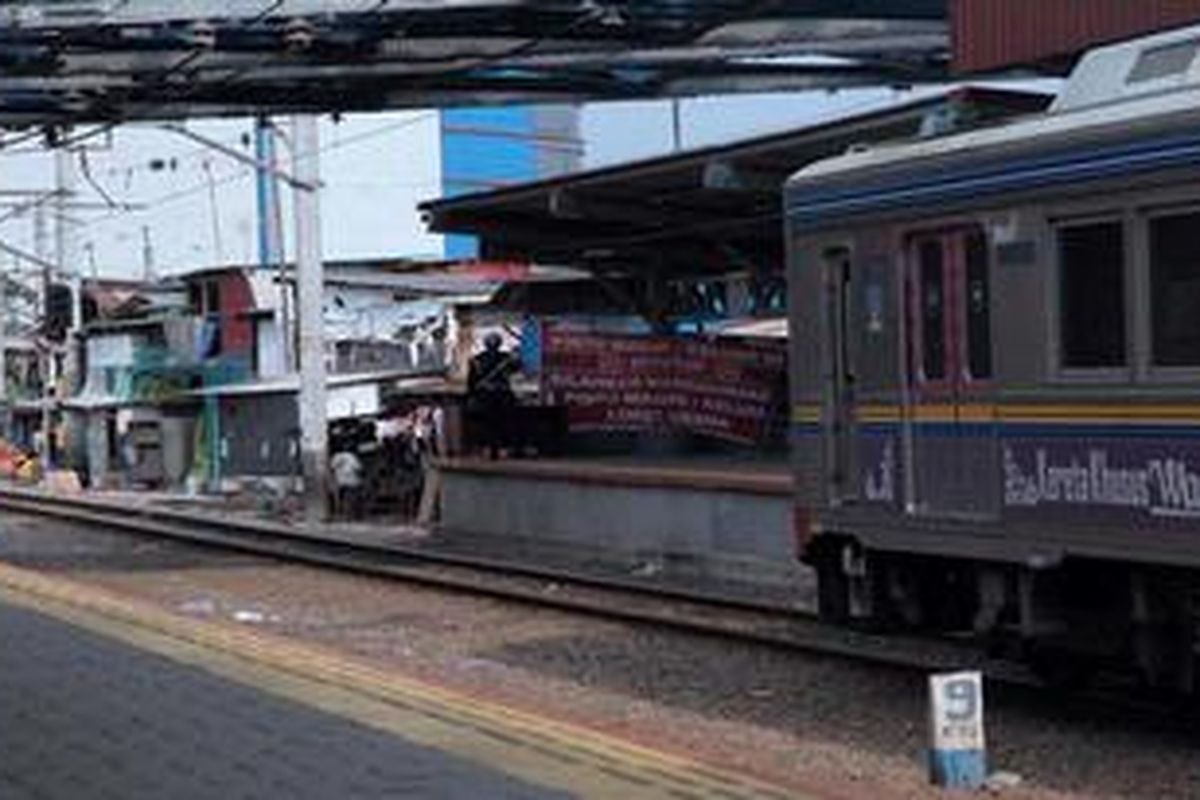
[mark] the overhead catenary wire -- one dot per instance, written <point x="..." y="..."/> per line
<point x="200" y="49"/>
<point x="69" y="141"/>
<point x="121" y="209"/>
<point x="86" y="169"/>
<point x="244" y="173"/>
<point x="370" y="6"/>
<point x="187" y="58"/>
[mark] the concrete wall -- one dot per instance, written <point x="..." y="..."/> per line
<point x="726" y="534"/>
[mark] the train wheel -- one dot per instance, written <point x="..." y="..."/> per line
<point x="894" y="602"/>
<point x="1060" y="668"/>
<point x="833" y="588"/>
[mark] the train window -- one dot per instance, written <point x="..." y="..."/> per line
<point x="1163" y="62"/>
<point x="1091" y="267"/>
<point x="978" y="307"/>
<point x="933" y="311"/>
<point x="1175" y="290"/>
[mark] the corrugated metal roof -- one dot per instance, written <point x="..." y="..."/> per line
<point x="993" y="34"/>
<point x="669" y="213"/>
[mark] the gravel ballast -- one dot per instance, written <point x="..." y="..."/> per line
<point x="825" y="725"/>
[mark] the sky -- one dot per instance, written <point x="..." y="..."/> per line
<point x="195" y="207"/>
<point x="616" y="132"/>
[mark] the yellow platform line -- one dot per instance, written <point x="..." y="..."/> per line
<point x="586" y="763"/>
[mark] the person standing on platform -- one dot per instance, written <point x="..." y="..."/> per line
<point x="490" y="398"/>
<point x="347" y="472"/>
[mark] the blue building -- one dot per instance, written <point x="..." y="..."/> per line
<point x="488" y="148"/>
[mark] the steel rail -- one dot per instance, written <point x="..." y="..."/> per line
<point x="605" y="598"/>
<point x="612" y="599"/>
<point x="417" y="554"/>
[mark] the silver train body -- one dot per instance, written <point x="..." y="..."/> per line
<point x="996" y="373"/>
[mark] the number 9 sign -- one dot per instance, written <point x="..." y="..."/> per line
<point x="960" y="695"/>
<point x="957" y="757"/>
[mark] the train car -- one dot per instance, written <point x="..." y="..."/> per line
<point x="996" y="373"/>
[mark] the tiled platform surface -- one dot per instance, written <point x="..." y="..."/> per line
<point x="103" y="698"/>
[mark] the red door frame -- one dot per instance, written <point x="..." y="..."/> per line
<point x="957" y="376"/>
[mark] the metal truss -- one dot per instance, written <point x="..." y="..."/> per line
<point x="66" y="62"/>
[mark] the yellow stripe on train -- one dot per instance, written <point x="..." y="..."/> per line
<point x="1042" y="413"/>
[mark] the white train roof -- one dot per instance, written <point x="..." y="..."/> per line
<point x="1132" y="86"/>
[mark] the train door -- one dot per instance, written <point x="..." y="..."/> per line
<point x="840" y="395"/>
<point x="953" y="455"/>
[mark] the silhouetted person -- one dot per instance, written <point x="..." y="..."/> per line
<point x="490" y="398"/>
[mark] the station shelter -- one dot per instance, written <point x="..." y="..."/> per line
<point x="674" y="404"/>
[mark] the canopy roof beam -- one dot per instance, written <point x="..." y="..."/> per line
<point x="89" y="61"/>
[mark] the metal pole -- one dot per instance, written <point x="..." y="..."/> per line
<point x="264" y="143"/>
<point x="45" y="356"/>
<point x="66" y="240"/>
<point x="676" y="126"/>
<point x="214" y="213"/>
<point x="66" y="259"/>
<point x="270" y="227"/>
<point x="41" y="247"/>
<point x="310" y="288"/>
<point x="149" y="275"/>
<point x="66" y="178"/>
<point x="5" y="332"/>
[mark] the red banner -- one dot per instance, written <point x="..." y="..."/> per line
<point x="732" y="389"/>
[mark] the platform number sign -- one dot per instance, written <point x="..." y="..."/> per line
<point x="957" y="757"/>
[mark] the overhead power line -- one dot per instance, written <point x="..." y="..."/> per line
<point x="224" y="180"/>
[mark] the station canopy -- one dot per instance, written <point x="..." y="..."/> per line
<point x="702" y="212"/>
<point x="64" y="62"/>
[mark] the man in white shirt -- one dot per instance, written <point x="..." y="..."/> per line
<point x="347" y="481"/>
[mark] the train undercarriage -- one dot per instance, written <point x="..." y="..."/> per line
<point x="1067" y="620"/>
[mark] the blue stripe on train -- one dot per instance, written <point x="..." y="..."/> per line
<point x="816" y="205"/>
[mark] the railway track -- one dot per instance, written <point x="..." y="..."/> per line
<point x="608" y="598"/>
<point x="1107" y="704"/>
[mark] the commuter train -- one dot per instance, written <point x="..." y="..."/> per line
<point x="996" y="374"/>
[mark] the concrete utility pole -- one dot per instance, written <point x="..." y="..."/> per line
<point x="66" y="240"/>
<point x="310" y="279"/>
<point x="66" y="262"/>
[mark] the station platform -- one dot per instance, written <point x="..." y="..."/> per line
<point x="102" y="697"/>
<point x="723" y="519"/>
